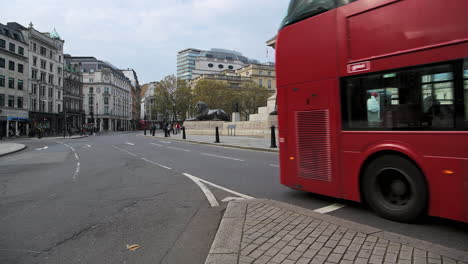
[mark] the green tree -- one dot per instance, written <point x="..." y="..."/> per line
<point x="251" y="97"/>
<point x="172" y="98"/>
<point x="216" y="94"/>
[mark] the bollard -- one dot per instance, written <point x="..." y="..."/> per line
<point x="145" y="131"/>
<point x="183" y="133"/>
<point x="217" y="135"/>
<point x="273" y="137"/>
<point x="165" y="132"/>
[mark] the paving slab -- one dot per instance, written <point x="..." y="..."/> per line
<point x="276" y="232"/>
<point x="9" y="148"/>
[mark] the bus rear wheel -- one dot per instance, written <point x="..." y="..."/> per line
<point x="395" y="188"/>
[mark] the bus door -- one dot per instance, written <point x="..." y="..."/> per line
<point x="312" y="147"/>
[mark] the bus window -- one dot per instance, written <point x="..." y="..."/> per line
<point x="413" y="99"/>
<point x="302" y="9"/>
<point x="465" y="91"/>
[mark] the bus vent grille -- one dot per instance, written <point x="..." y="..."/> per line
<point x="313" y="145"/>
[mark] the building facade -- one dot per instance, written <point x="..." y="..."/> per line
<point x="262" y="74"/>
<point x="107" y="94"/>
<point x="192" y="63"/>
<point x="136" y="95"/>
<point x="45" y="79"/>
<point x="73" y="95"/>
<point x="147" y="102"/>
<point x="14" y="70"/>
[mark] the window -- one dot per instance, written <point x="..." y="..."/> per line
<point x="11" y="83"/>
<point x="51" y="54"/>
<point x="19" y="102"/>
<point x="260" y="82"/>
<point x="302" y="9"/>
<point x="21" y="50"/>
<point x="220" y="66"/>
<point x="59" y="108"/>
<point x="34" y="47"/>
<point x="91" y="90"/>
<point x="43" y="64"/>
<point x="43" y="51"/>
<point x="91" y="80"/>
<point x="106" y="100"/>
<point x="416" y="99"/>
<point x="59" y="95"/>
<point x="20" y="68"/>
<point x="33" y="104"/>
<point x="12" y="47"/>
<point x="34" y="61"/>
<point x="11" y="65"/>
<point x="51" y="67"/>
<point x="11" y="101"/>
<point x="210" y="65"/>
<point x="260" y="73"/>
<point x="2" y="43"/>
<point x="231" y="67"/>
<point x="34" y="74"/>
<point x="20" y="84"/>
<point x="2" y="81"/>
<point x="34" y="88"/>
<point x="51" y="92"/>
<point x="51" y="107"/>
<point x="42" y="106"/>
<point x="106" y="110"/>
<point x="60" y="58"/>
<point x="60" y="81"/>
<point x="106" y="90"/>
<point x="51" y="79"/>
<point x="43" y="76"/>
<point x="42" y="90"/>
<point x="59" y="70"/>
<point x="2" y="100"/>
<point x="2" y="63"/>
<point x="269" y="84"/>
<point x="91" y="100"/>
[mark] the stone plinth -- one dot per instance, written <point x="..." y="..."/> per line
<point x="203" y="127"/>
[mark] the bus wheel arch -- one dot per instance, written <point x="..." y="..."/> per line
<point x="394" y="186"/>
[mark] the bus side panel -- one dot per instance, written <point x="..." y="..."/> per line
<point x="307" y="51"/>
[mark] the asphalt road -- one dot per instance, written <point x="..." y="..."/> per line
<point x="130" y="189"/>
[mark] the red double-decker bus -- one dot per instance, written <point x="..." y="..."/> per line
<point x="373" y="103"/>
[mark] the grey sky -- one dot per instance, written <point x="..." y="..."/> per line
<point x="146" y="34"/>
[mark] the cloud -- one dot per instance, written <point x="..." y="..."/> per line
<point x="146" y="35"/>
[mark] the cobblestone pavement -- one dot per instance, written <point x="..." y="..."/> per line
<point x="274" y="232"/>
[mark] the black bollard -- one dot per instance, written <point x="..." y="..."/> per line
<point x="154" y="131"/>
<point x="145" y="131"/>
<point x="165" y="132"/>
<point x="183" y="133"/>
<point x="273" y="137"/>
<point x="217" y="135"/>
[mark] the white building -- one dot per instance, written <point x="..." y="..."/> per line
<point x="107" y="94"/>
<point x="14" y="69"/>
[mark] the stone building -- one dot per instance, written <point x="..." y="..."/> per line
<point x="45" y="78"/>
<point x="14" y="70"/>
<point x="107" y="94"/>
<point x="136" y="95"/>
<point x="73" y="95"/>
<point x="261" y="74"/>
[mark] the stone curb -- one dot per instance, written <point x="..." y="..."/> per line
<point x="236" y="211"/>
<point x="14" y="151"/>
<point x="215" y="144"/>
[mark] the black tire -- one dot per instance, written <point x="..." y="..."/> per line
<point x="395" y="188"/>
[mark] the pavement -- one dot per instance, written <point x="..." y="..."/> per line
<point x="253" y="143"/>
<point x="8" y="148"/>
<point x="266" y="231"/>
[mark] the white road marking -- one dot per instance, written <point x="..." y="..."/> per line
<point x="159" y="145"/>
<point x="88" y="145"/>
<point x="128" y="143"/>
<point x="222" y="188"/>
<point x="76" y="156"/>
<point x="152" y="162"/>
<point x="44" y="148"/>
<point x="19" y="250"/>
<point x="228" y="199"/>
<point x="186" y="150"/>
<point x="77" y="170"/>
<point x="274" y="165"/>
<point x="330" y="208"/>
<point x="124" y="151"/>
<point x="222" y="157"/>
<point x="209" y="195"/>
<point x="165" y="142"/>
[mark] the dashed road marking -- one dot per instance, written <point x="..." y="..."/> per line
<point x="222" y="157"/>
<point x="274" y="165"/>
<point x="165" y="142"/>
<point x="160" y="165"/>
<point x="44" y="148"/>
<point x="209" y="195"/>
<point x="128" y="143"/>
<point x="330" y="208"/>
<point x="134" y="155"/>
<point x="159" y="145"/>
<point x="186" y="150"/>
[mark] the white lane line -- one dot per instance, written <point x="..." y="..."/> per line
<point x="274" y="165"/>
<point x="330" y="208"/>
<point x="76" y="156"/>
<point x="77" y="170"/>
<point x="222" y="188"/>
<point x="124" y="151"/>
<point x="44" y="148"/>
<point x="165" y="142"/>
<point x="159" y="145"/>
<point x="186" y="150"/>
<point x="222" y="157"/>
<point x="228" y="199"/>
<point x="128" y="143"/>
<point x="88" y="145"/>
<point x="209" y="195"/>
<point x="152" y="162"/>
